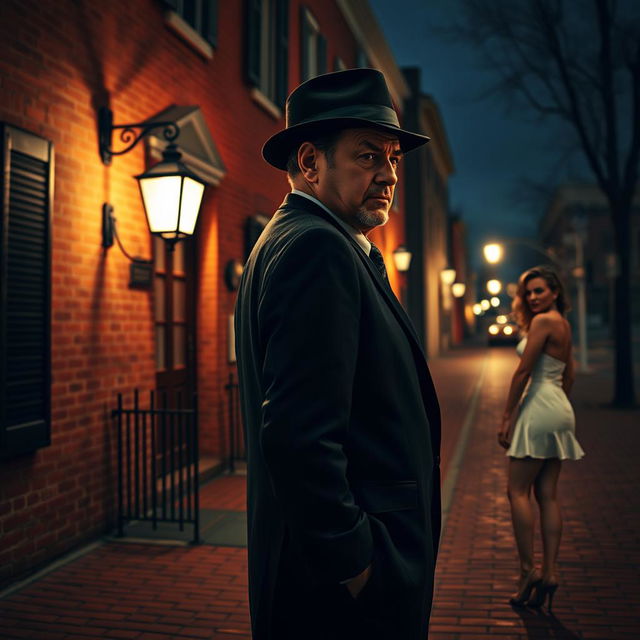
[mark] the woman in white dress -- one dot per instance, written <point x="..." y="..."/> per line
<point x="543" y="432"/>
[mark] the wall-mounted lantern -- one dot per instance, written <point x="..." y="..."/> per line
<point x="402" y="258"/>
<point x="171" y="192"/>
<point x="458" y="289"/>
<point x="448" y="276"/>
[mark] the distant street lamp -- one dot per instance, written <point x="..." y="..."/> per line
<point x="448" y="276"/>
<point x="495" y="301"/>
<point x="477" y="308"/>
<point x="493" y="252"/>
<point x="494" y="287"/>
<point x="458" y="289"/>
<point x="402" y="258"/>
<point x="485" y="304"/>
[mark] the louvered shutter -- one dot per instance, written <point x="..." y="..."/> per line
<point x="25" y="291"/>
<point x="282" y="52"/>
<point x="252" y="41"/>
<point x="210" y="21"/>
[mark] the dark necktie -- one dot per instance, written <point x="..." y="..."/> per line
<point x="378" y="261"/>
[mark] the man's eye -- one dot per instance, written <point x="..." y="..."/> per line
<point x="368" y="156"/>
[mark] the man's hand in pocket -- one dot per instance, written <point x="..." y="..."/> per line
<point x="356" y="585"/>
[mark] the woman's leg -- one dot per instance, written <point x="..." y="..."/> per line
<point x="522" y="474"/>
<point x="545" y="489"/>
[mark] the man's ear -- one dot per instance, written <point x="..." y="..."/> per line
<point x="308" y="161"/>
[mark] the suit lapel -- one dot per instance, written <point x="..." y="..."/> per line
<point x="294" y="201"/>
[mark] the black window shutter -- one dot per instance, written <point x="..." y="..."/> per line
<point x="361" y="58"/>
<point x="25" y="291"/>
<point x="210" y="21"/>
<point x="322" y="54"/>
<point x="305" y="32"/>
<point x="252" y="49"/>
<point x="282" y="51"/>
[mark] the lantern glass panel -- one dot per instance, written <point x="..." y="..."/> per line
<point x="191" y="197"/>
<point x="402" y="260"/>
<point x="161" y="197"/>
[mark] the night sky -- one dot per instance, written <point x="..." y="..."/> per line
<point x="496" y="149"/>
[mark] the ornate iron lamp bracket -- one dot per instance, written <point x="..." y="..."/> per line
<point x="128" y="135"/>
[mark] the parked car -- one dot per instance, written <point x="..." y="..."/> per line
<point x="502" y="332"/>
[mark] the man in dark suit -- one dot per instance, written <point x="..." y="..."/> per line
<point x="341" y="416"/>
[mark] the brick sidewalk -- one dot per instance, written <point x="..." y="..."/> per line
<point x="151" y="592"/>
<point x="599" y="594"/>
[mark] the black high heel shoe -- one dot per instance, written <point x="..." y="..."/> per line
<point x="542" y="590"/>
<point x="532" y="580"/>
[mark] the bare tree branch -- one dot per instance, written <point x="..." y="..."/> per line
<point x="549" y="28"/>
<point x="608" y="94"/>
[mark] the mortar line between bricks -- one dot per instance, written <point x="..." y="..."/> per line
<point x="50" y="568"/>
<point x="453" y="469"/>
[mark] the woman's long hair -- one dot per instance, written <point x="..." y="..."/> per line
<point x="521" y="310"/>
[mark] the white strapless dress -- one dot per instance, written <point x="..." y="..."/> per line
<point x="545" y="426"/>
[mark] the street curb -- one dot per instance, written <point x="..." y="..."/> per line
<point x="453" y="469"/>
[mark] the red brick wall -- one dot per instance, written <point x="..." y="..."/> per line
<point x="59" y="61"/>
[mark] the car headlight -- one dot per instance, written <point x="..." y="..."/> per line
<point x="494" y="329"/>
<point x="507" y="330"/>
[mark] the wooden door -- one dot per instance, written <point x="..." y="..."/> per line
<point x="174" y="316"/>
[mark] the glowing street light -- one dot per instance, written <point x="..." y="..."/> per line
<point x="494" y="287"/>
<point x="493" y="252"/>
<point x="477" y="308"/>
<point x="495" y="301"/>
<point x="458" y="289"/>
<point x="485" y="304"/>
<point x="448" y="276"/>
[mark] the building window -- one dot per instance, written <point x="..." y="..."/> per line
<point x="26" y="194"/>
<point x="267" y="44"/>
<point x="199" y="15"/>
<point x="313" y="47"/>
<point x="362" y="60"/>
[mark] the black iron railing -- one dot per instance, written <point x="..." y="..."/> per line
<point x="237" y="450"/>
<point x="158" y="463"/>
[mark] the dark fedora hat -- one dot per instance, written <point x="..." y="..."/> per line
<point x="344" y="99"/>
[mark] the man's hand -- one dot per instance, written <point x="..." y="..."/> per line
<point x="356" y="585"/>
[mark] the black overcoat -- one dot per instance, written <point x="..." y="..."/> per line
<point x="342" y="429"/>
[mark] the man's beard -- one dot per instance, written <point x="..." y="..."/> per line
<point x="370" y="219"/>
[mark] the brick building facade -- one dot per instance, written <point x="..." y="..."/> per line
<point x="224" y="68"/>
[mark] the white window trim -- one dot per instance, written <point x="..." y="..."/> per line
<point x="312" y="52"/>
<point x="272" y="109"/>
<point x="312" y="21"/>
<point x="188" y="34"/>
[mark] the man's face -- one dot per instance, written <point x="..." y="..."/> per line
<point x="357" y="183"/>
